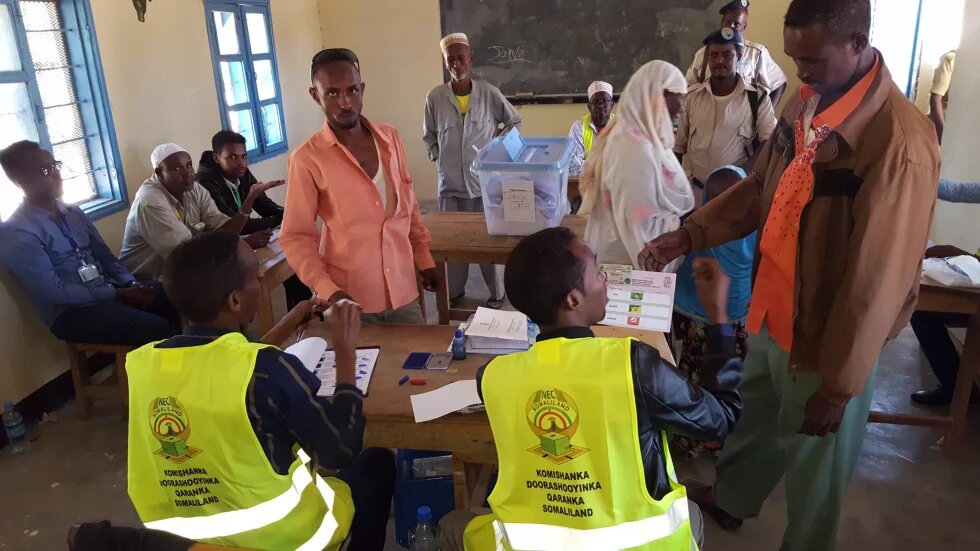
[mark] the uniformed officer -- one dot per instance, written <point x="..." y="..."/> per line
<point x="757" y="66"/>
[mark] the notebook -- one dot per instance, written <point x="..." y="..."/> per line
<point x="315" y="356"/>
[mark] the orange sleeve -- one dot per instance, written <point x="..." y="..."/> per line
<point x="299" y="238"/>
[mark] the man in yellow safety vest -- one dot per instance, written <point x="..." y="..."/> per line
<point x="225" y="436"/>
<point x="584" y="131"/>
<point x="579" y="422"/>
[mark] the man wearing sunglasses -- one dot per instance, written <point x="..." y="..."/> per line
<point x="353" y="175"/>
<point x="78" y="287"/>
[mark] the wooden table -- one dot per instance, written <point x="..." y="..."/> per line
<point x="388" y="408"/>
<point x="573" y="190"/>
<point x="954" y="301"/>
<point x="462" y="237"/>
<point x="273" y="271"/>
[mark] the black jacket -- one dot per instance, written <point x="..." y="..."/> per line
<point x="665" y="400"/>
<point x="210" y="176"/>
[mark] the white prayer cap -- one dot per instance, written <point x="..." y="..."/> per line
<point x="454" y="38"/>
<point x="600" y="86"/>
<point x="163" y="151"/>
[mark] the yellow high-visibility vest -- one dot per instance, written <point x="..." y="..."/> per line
<point x="196" y="468"/>
<point x="588" y="135"/>
<point x="571" y="476"/>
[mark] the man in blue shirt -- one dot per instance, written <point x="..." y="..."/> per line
<point x="78" y="287"/>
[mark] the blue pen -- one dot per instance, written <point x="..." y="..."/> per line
<point x="403" y="381"/>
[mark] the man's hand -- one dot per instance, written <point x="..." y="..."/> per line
<point x="945" y="251"/>
<point x="258" y="239"/>
<point x="256" y="191"/>
<point x="664" y="249"/>
<point x="304" y="313"/>
<point x="430" y="279"/>
<point x="712" y="285"/>
<point x="342" y="333"/>
<point x="337" y="297"/>
<point x="137" y="297"/>
<point x="821" y="416"/>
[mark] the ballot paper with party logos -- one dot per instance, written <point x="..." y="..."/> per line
<point x="638" y="299"/>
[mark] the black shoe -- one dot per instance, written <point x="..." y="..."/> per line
<point x="705" y="498"/>
<point x="941" y="396"/>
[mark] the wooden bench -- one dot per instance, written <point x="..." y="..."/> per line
<point x="114" y="388"/>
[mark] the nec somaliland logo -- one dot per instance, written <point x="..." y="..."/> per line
<point x="552" y="416"/>
<point x="171" y="426"/>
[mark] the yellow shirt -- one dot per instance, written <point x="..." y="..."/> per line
<point x="464" y="103"/>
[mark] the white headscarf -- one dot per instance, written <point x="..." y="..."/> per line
<point x="634" y="182"/>
<point x="642" y="105"/>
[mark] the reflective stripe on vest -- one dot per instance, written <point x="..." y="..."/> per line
<point x="229" y="523"/>
<point x="622" y="536"/>
<point x="588" y="135"/>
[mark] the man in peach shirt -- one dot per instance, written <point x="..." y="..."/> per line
<point x="353" y="175"/>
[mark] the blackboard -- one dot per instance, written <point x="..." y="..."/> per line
<point x="550" y="50"/>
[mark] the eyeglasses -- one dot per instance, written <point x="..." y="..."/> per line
<point x="334" y="54"/>
<point x="49" y="169"/>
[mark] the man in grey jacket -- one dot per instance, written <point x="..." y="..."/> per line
<point x="461" y="117"/>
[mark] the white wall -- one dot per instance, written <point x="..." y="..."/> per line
<point x="960" y="224"/>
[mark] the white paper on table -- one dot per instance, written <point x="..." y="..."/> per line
<point x="968" y="265"/>
<point x="443" y="401"/>
<point x="960" y="271"/>
<point x="275" y="235"/>
<point x="518" y="200"/>
<point x="498" y="324"/>
<point x="638" y="299"/>
<point x="309" y="351"/>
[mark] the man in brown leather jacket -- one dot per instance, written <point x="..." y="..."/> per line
<point x="843" y="198"/>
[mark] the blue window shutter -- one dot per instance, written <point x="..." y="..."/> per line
<point x="260" y="147"/>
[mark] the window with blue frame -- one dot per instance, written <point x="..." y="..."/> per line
<point x="52" y="91"/>
<point x="246" y="74"/>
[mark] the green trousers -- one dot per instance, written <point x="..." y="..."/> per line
<point x="766" y="445"/>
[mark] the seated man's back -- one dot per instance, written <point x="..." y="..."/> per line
<point x="580" y="422"/>
<point x="222" y="426"/>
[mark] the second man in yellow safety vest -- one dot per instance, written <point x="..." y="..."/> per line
<point x="579" y="422"/>
<point x="225" y="436"/>
<point x="586" y="130"/>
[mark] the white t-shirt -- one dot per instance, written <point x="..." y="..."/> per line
<point x="380" y="180"/>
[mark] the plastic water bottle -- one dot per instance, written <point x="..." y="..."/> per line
<point x="422" y="537"/>
<point x="459" y="346"/>
<point x="13" y="424"/>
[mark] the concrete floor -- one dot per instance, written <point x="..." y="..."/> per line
<point x="905" y="494"/>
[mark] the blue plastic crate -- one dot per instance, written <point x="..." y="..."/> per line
<point x="411" y="492"/>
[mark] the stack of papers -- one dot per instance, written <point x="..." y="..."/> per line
<point x="498" y="332"/>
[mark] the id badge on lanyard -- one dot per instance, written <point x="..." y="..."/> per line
<point x="86" y="271"/>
